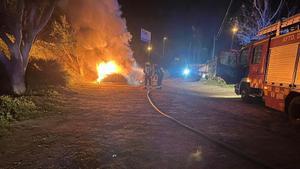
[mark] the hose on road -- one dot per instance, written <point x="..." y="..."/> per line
<point x="226" y="146"/>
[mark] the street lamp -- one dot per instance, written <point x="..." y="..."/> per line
<point x="164" y="45"/>
<point x="149" y="49"/>
<point x="234" y="30"/>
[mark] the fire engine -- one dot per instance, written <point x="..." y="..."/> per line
<point x="270" y="68"/>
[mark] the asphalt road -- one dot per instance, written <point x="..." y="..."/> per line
<point x="114" y="126"/>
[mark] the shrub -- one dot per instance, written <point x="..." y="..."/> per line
<point x="16" y="108"/>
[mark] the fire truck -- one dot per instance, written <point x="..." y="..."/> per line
<point x="270" y="68"/>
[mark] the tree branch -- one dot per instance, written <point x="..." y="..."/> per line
<point x="6" y="40"/>
<point x="266" y="8"/>
<point x="19" y="24"/>
<point x="35" y="28"/>
<point x="258" y="10"/>
<point x="20" y="9"/>
<point x="32" y="13"/>
<point x="25" y="52"/>
<point x="45" y="16"/>
<point x="278" y="9"/>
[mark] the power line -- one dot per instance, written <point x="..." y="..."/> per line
<point x="224" y="19"/>
<point x="220" y="29"/>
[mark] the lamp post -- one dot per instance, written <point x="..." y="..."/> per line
<point x="164" y="45"/>
<point x="149" y="49"/>
<point x="234" y="30"/>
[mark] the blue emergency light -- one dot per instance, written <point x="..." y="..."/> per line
<point x="186" y="72"/>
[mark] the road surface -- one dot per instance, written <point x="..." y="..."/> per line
<point x="114" y="126"/>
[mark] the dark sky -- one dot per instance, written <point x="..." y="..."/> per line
<point x="174" y="19"/>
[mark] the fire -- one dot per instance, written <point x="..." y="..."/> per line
<point x="105" y="69"/>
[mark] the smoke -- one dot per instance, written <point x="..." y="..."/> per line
<point x="101" y="33"/>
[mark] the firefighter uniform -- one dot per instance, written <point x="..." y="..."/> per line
<point x="160" y="76"/>
<point x="148" y="74"/>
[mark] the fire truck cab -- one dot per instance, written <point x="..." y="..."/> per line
<point x="270" y="68"/>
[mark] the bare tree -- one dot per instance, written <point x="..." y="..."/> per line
<point x="254" y="15"/>
<point x="21" y="21"/>
<point x="265" y="13"/>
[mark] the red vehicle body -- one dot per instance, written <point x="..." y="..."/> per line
<point x="271" y="68"/>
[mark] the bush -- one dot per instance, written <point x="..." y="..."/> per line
<point x="41" y="73"/>
<point x="16" y="108"/>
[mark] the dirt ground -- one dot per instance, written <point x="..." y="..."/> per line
<point x="114" y="126"/>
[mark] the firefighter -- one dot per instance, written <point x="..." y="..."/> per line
<point x="160" y="76"/>
<point x="148" y="74"/>
<point x="155" y="74"/>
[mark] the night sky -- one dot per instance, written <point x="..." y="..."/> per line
<point x="180" y="21"/>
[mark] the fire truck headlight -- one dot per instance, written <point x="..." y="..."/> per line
<point x="186" y="71"/>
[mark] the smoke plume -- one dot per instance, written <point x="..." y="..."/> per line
<point x="101" y="33"/>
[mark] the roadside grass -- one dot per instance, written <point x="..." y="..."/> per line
<point x="15" y="109"/>
<point x="33" y="104"/>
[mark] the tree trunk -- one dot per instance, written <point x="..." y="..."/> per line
<point x="24" y="23"/>
<point x="17" y="78"/>
<point x="16" y="72"/>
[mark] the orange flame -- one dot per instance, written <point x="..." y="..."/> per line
<point x="105" y="69"/>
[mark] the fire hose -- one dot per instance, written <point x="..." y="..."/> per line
<point x="201" y="133"/>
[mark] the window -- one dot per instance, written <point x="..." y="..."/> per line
<point x="228" y="59"/>
<point x="257" y="54"/>
<point x="244" y="58"/>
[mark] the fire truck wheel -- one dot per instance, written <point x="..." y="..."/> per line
<point x="294" y="111"/>
<point x="245" y="95"/>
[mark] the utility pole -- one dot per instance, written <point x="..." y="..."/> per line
<point x="216" y="37"/>
<point x="214" y="47"/>
<point x="149" y="49"/>
<point x="214" y="56"/>
<point x="164" y="45"/>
